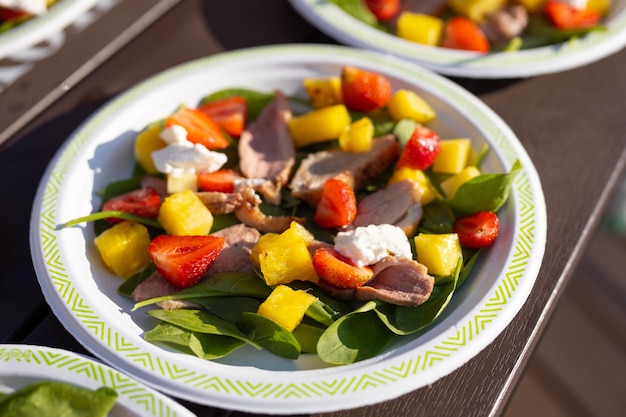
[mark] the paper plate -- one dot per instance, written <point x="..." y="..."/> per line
<point x="23" y="365"/>
<point x="339" y="25"/>
<point x="84" y="296"/>
<point x="39" y="28"/>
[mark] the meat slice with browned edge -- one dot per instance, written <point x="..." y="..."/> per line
<point x="266" y="150"/>
<point x="357" y="169"/>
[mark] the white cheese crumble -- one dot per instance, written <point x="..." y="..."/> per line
<point x="181" y="156"/>
<point x="370" y="244"/>
<point x="36" y="7"/>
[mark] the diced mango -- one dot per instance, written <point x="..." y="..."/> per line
<point x="184" y="213"/>
<point x="319" y="125"/>
<point x="405" y="173"/>
<point x="323" y="91"/>
<point x="453" y="156"/>
<point x="533" y="6"/>
<point x="452" y="184"/>
<point x="285" y="257"/>
<point x="420" y="28"/>
<point x="406" y="104"/>
<point x="600" y="6"/>
<point x="477" y="10"/>
<point x="182" y="181"/>
<point x="358" y="136"/>
<point x="124" y="248"/>
<point x="286" y="306"/>
<point x="440" y="253"/>
<point x="147" y="142"/>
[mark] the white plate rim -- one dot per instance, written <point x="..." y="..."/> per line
<point x="39" y="363"/>
<point x="255" y="390"/>
<point x="334" y="22"/>
<point x="35" y="30"/>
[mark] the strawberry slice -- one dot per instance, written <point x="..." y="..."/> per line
<point x="338" y="270"/>
<point x="222" y="181"/>
<point x="565" y="16"/>
<point x="183" y="260"/>
<point x="383" y="9"/>
<point x="421" y="149"/>
<point x="200" y="128"/>
<point x="477" y="230"/>
<point x="337" y="205"/>
<point x="229" y="113"/>
<point x="144" y="202"/>
<point x="363" y="90"/>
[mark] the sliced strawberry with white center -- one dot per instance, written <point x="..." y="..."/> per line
<point x="337" y="205"/>
<point x="338" y="270"/>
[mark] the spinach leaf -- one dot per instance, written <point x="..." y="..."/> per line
<point x="201" y="322"/>
<point x="437" y="218"/>
<point x="56" y="398"/>
<point x="229" y="308"/>
<point x="256" y="100"/>
<point x="308" y="336"/>
<point x="404" y="130"/>
<point x="486" y="192"/>
<point x="354" y="337"/>
<point x="202" y="345"/>
<point x="270" y="335"/>
<point x="358" y="10"/>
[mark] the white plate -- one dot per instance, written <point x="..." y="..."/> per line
<point x="23" y="365"/>
<point x="83" y="294"/>
<point x="339" y="25"/>
<point x="37" y="29"/>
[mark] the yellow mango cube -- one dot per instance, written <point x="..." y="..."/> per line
<point x="405" y="173"/>
<point x="406" y="104"/>
<point x="420" y="28"/>
<point x="124" y="248"/>
<point x="285" y="257"/>
<point x="533" y="6"/>
<point x="286" y="306"/>
<point x="147" y="142"/>
<point x="453" y="156"/>
<point x="319" y="125"/>
<point x="182" y="181"/>
<point x="440" y="253"/>
<point x="600" y="6"/>
<point x="358" y="136"/>
<point x="323" y="91"/>
<point x="452" y="184"/>
<point x="184" y="214"/>
<point x="477" y="10"/>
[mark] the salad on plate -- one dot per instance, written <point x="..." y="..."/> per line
<point x="15" y="12"/>
<point x="332" y="224"/>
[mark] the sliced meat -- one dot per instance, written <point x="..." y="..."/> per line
<point x="223" y="203"/>
<point x="389" y="205"/>
<point x="159" y="184"/>
<point x="505" y="24"/>
<point x="235" y="255"/>
<point x="266" y="149"/>
<point x="398" y="280"/>
<point x="251" y="215"/>
<point x="157" y="286"/>
<point x="355" y="168"/>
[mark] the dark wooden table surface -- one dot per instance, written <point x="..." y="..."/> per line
<point x="572" y="124"/>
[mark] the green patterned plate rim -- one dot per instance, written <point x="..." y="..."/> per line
<point x="333" y="21"/>
<point x="22" y="365"/>
<point x="83" y="295"/>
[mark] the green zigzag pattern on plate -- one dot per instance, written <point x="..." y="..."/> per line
<point x="318" y="389"/>
<point x="122" y="384"/>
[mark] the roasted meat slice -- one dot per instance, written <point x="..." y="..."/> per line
<point x="355" y="168"/>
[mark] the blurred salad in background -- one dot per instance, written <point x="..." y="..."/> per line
<point x="15" y="12"/>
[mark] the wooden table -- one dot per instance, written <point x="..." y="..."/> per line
<point x="572" y="124"/>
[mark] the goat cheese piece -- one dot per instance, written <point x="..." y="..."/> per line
<point x="174" y="134"/>
<point x="368" y="245"/>
<point x="35" y="7"/>
<point x="180" y="158"/>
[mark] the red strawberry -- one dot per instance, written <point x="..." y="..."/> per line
<point x="337" y="205"/>
<point x="229" y="113"/>
<point x="144" y="202"/>
<point x="477" y="230"/>
<point x="363" y="90"/>
<point x="421" y="149"/>
<point x="222" y="181"/>
<point x="183" y="260"/>
<point x="200" y="128"/>
<point x="336" y="269"/>
<point x="565" y="16"/>
<point x="383" y="9"/>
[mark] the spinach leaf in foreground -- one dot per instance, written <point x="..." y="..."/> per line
<point x="55" y="398"/>
<point x="223" y="283"/>
<point x="229" y="308"/>
<point x="270" y="335"/>
<point x="202" y="345"/>
<point x="358" y="10"/>
<point x="486" y="192"/>
<point x="354" y="337"/>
